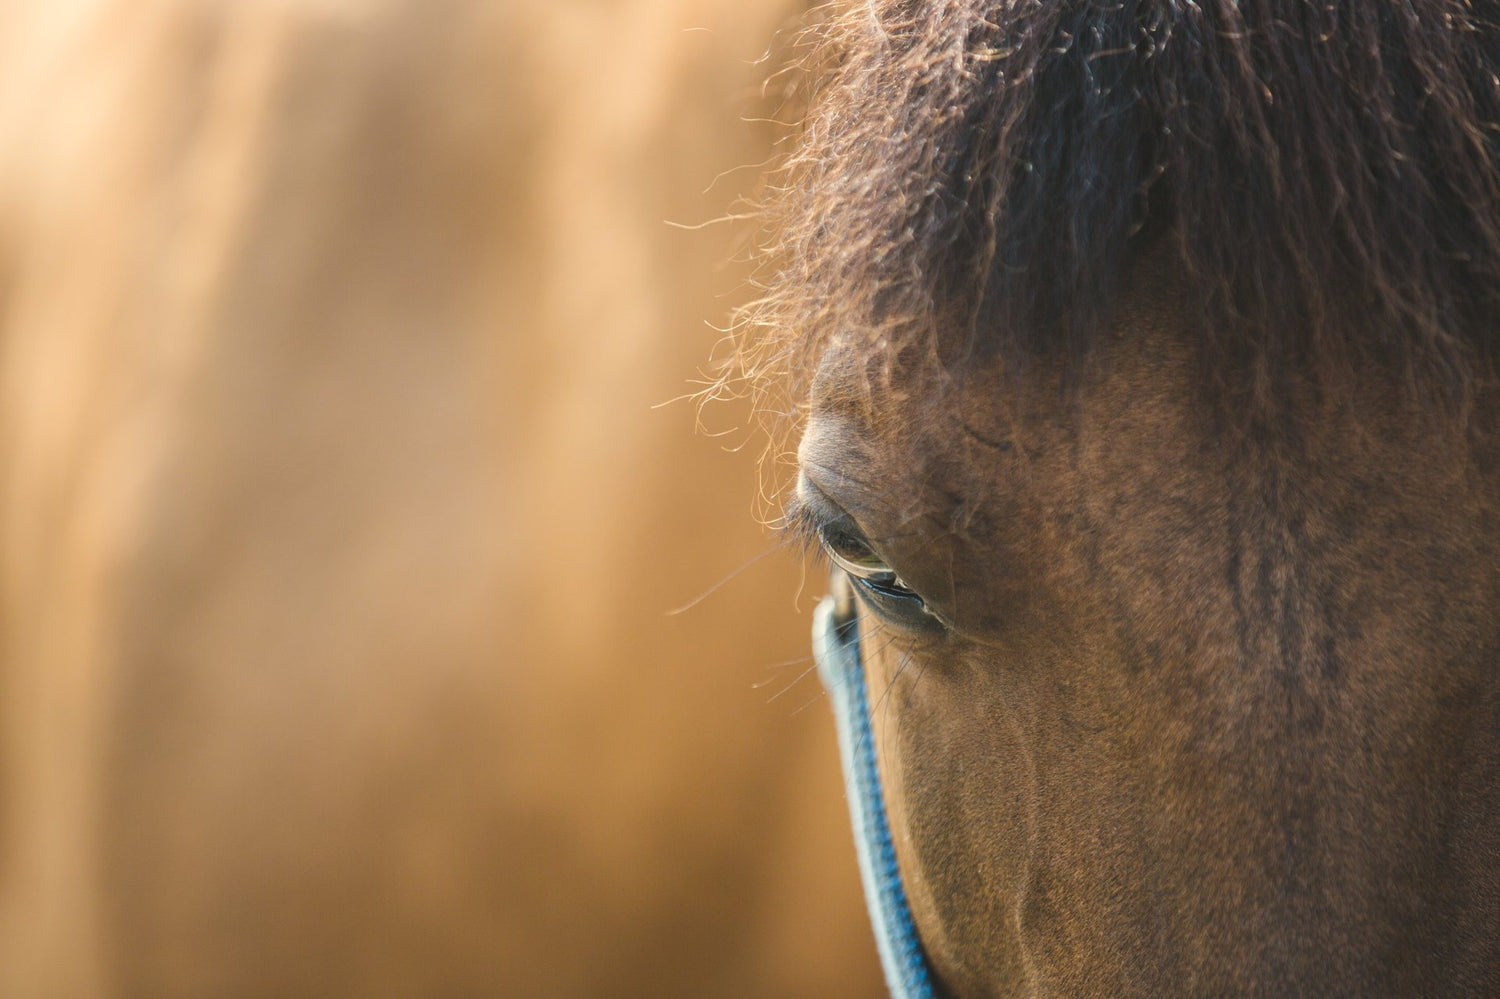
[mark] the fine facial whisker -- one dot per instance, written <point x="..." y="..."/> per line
<point x="821" y="695"/>
<point x="786" y="664"/>
<point x="795" y="681"/>
<point x="777" y="546"/>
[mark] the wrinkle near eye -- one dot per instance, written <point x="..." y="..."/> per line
<point x="834" y="448"/>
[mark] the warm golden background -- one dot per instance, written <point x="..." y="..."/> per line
<point x="338" y="527"/>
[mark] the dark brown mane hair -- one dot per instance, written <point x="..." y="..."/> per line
<point x="977" y="174"/>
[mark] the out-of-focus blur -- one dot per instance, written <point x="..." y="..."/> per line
<point x="339" y="529"/>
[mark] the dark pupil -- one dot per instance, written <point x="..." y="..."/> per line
<point x="851" y="548"/>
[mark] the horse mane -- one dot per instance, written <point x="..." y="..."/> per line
<point x="977" y="175"/>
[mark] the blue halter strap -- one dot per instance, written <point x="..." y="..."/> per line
<point x="836" y="648"/>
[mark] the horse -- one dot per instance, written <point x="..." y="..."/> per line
<point x="340" y="531"/>
<point x="1143" y="356"/>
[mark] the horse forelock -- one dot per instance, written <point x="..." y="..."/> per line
<point x="974" y="177"/>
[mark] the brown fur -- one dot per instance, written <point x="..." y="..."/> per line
<point x="980" y="173"/>
<point x="1129" y="336"/>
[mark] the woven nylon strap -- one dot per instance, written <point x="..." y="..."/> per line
<point x="836" y="647"/>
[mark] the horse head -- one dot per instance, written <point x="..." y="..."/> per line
<point x="1146" y="359"/>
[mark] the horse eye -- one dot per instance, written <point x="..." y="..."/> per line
<point x="885" y="592"/>
<point x="852" y="553"/>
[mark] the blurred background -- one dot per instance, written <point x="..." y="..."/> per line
<point x="339" y="529"/>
